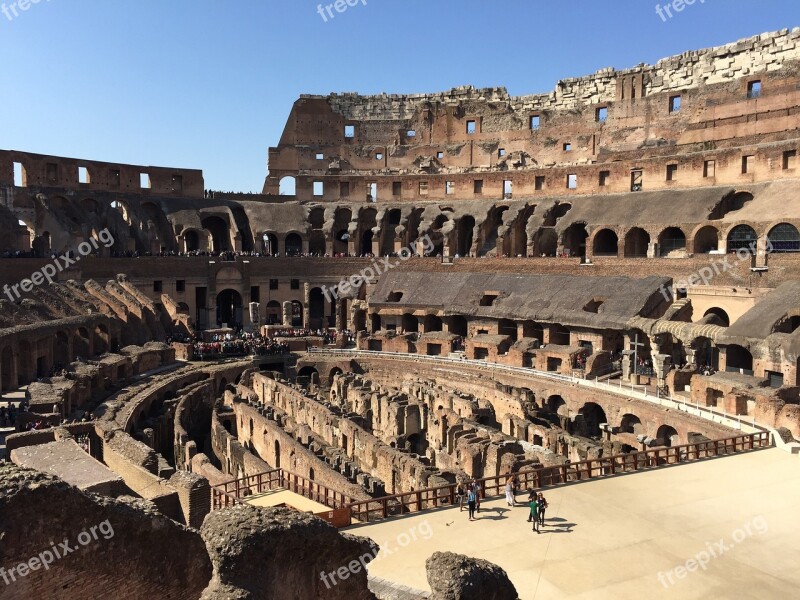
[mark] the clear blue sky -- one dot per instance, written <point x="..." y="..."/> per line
<point x="209" y="84"/>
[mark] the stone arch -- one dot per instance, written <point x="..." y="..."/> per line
<point x="706" y="240"/>
<point x="293" y="244"/>
<point x="718" y="317"/>
<point x="81" y="344"/>
<point x="274" y="312"/>
<point x="605" y="243"/>
<point x="574" y="239"/>
<point x="191" y="240"/>
<point x="637" y="242"/>
<point x="155" y="231"/>
<point x="229" y="308"/>
<point x="219" y="233"/>
<point x="333" y="373"/>
<point x="556" y="405"/>
<point x="341" y="229"/>
<point x="630" y="423"/>
<point x="742" y="236"/>
<point x="269" y="244"/>
<point x="668" y="436"/>
<point x="466" y="227"/>
<point x="316" y="217"/>
<point x="287" y="186"/>
<point x="671" y="240"/>
<point x="101" y="341"/>
<point x="784" y="237"/>
<point x="316" y="309"/>
<point x="545" y="242"/>
<point x="593" y="416"/>
<point x="457" y="325"/>
<point x="297" y="313"/>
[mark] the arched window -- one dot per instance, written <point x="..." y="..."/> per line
<point x="784" y="238"/>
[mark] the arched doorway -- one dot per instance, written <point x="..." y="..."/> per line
<point x="672" y="240"/>
<point x="575" y="240"/>
<point x="269" y="244"/>
<point x="293" y="245"/>
<point x="667" y="436"/>
<point x="274" y="312"/>
<point x="784" y="238"/>
<point x="191" y="241"/>
<point x="706" y="240"/>
<point x="593" y="416"/>
<point x="316" y="309"/>
<point x="297" y="313"/>
<point x="606" y="243"/>
<point x="229" y="309"/>
<point x="717" y="317"/>
<point x="466" y="226"/>
<point x="219" y="232"/>
<point x="742" y="236"/>
<point x="637" y="242"/>
<point x="631" y="424"/>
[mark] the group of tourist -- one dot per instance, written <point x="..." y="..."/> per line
<point x="246" y="345"/>
<point x="8" y="416"/>
<point x="470" y="494"/>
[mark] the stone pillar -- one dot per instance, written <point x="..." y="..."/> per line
<point x="652" y="250"/>
<point x="287" y="314"/>
<point x="761" y="252"/>
<point x="307" y="304"/>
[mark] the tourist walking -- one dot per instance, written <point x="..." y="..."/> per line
<point x="542" y="506"/>
<point x="471" y="501"/>
<point x="461" y="495"/>
<point x="510" y="491"/>
<point x="476" y="488"/>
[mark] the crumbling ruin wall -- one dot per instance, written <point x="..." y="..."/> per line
<point x="39" y="512"/>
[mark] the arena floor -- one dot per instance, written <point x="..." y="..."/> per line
<point x="633" y="536"/>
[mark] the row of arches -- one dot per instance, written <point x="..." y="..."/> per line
<point x="591" y="416"/>
<point x="783" y="237"/>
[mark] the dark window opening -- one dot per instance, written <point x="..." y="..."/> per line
<point x="180" y="286"/>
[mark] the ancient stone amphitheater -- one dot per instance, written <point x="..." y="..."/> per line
<point x="223" y="395"/>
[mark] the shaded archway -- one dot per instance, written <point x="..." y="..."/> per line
<point x="61" y="351"/>
<point x="191" y="241"/>
<point x="316" y="243"/>
<point x="631" y="424"/>
<point x="274" y="314"/>
<point x="606" y="243"/>
<point x="102" y="340"/>
<point x="219" y="233"/>
<point x="293" y="244"/>
<point x="269" y="244"/>
<point x="229" y="308"/>
<point x="637" y="242"/>
<point x="316" y="309"/>
<point x="545" y="242"/>
<point x="575" y="240"/>
<point x="738" y="359"/>
<point x="557" y="405"/>
<point x="717" y="317"/>
<point x="409" y="323"/>
<point x="297" y="313"/>
<point x="706" y="240"/>
<point x="667" y="436"/>
<point x="593" y="416"/>
<point x="672" y="239"/>
<point x="466" y="226"/>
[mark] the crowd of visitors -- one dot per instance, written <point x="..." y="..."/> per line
<point x="255" y="344"/>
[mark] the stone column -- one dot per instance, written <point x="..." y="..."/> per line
<point x="287" y="314"/>
<point x="307" y="304"/>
